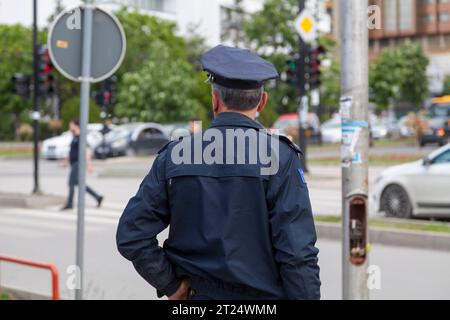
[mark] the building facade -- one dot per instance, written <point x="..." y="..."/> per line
<point x="424" y="21"/>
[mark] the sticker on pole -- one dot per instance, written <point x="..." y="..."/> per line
<point x="65" y="44"/>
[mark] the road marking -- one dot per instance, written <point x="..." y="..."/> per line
<point x="21" y="232"/>
<point x="48" y="215"/>
<point x="43" y="224"/>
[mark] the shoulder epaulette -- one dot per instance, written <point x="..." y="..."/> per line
<point x="291" y="144"/>
<point x="168" y="143"/>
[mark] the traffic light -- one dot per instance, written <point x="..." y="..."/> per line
<point x="110" y="91"/>
<point x="21" y="85"/>
<point x="314" y="66"/>
<point x="44" y="75"/>
<point x="292" y="71"/>
<point x="106" y="96"/>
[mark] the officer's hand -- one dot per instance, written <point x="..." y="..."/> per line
<point x="182" y="292"/>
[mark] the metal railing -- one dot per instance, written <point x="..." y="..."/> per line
<point x="36" y="264"/>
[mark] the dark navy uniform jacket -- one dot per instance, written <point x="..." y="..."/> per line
<point x="227" y="223"/>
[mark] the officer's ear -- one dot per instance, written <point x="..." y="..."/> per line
<point x="263" y="102"/>
<point x="216" y="101"/>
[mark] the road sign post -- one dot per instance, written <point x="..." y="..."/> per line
<point x="355" y="147"/>
<point x="306" y="28"/>
<point x="86" y="53"/>
<point x="36" y="112"/>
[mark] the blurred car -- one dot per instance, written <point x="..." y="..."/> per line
<point x="378" y="127"/>
<point x="437" y="132"/>
<point x="115" y="143"/>
<point x="176" y="130"/>
<point x="406" y="129"/>
<point x="288" y="125"/>
<point x="438" y="128"/>
<point x="331" y="130"/>
<point x="420" y="188"/>
<point x="148" y="139"/>
<point x="58" y="147"/>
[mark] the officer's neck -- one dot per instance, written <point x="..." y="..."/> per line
<point x="248" y="113"/>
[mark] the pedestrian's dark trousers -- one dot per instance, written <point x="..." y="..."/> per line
<point x="73" y="181"/>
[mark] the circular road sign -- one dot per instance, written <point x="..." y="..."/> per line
<point x="65" y="44"/>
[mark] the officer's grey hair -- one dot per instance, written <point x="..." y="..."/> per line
<point x="239" y="99"/>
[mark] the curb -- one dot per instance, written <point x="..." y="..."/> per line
<point x="385" y="236"/>
<point x="25" y="201"/>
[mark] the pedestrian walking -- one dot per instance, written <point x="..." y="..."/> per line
<point x="72" y="160"/>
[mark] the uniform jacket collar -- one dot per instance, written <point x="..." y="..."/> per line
<point x="234" y="119"/>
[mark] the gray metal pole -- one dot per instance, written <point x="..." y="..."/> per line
<point x="355" y="148"/>
<point x="36" y="112"/>
<point x="84" y="118"/>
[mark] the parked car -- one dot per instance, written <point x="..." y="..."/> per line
<point x="57" y="148"/>
<point x="438" y="131"/>
<point x="176" y="130"/>
<point x="288" y="125"/>
<point x="416" y="189"/>
<point x="331" y="130"/>
<point x="148" y="138"/>
<point x="115" y="143"/>
<point x="438" y="128"/>
<point x="378" y="127"/>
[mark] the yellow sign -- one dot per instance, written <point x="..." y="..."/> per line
<point x="306" y="24"/>
<point x="62" y="44"/>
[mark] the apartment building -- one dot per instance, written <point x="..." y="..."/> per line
<point x="424" y="21"/>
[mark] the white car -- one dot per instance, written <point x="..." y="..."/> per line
<point x="58" y="148"/>
<point x="420" y="188"/>
<point x="331" y="130"/>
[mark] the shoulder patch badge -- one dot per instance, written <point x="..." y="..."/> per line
<point x="302" y="176"/>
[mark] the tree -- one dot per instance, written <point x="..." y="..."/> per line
<point x="446" y="90"/>
<point x="15" y="57"/>
<point x="270" y="33"/>
<point x="399" y="74"/>
<point x="161" y="91"/>
<point x="159" y="79"/>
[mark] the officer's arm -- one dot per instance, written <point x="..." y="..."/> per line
<point x="293" y="231"/>
<point x="146" y="215"/>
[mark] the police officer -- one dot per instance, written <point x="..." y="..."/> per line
<point x="235" y="233"/>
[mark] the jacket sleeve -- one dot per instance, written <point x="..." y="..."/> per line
<point x="293" y="231"/>
<point x="145" y="216"/>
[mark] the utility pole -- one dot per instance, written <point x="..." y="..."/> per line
<point x="303" y="90"/>
<point x="355" y="147"/>
<point x="35" y="115"/>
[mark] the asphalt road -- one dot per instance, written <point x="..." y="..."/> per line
<point x="48" y="235"/>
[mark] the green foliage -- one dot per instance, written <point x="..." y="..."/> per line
<point x="161" y="91"/>
<point x="399" y="74"/>
<point x="446" y="90"/>
<point x="272" y="28"/>
<point x="159" y="80"/>
<point x="15" y="57"/>
<point x="71" y="110"/>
